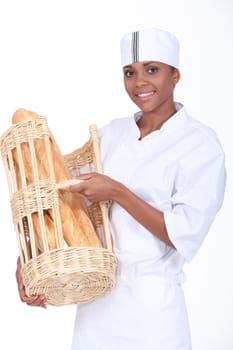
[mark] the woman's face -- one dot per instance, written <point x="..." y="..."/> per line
<point x="150" y="85"/>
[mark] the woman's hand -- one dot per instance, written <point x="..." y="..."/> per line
<point x="97" y="187"/>
<point x="36" y="300"/>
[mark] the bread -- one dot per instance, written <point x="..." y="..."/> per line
<point x="76" y="225"/>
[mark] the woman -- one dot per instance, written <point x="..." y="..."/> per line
<point x="165" y="174"/>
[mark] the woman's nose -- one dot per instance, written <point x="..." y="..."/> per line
<point x="140" y="80"/>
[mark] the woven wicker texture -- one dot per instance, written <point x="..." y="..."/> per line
<point x="64" y="274"/>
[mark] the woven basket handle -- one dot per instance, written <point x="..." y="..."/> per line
<point x="63" y="185"/>
<point x="104" y="206"/>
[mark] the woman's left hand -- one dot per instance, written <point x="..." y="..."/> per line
<point x="96" y="187"/>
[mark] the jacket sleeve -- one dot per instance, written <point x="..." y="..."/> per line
<point x="197" y="198"/>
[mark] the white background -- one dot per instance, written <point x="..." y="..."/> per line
<point x="61" y="59"/>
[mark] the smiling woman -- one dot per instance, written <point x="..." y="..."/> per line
<point x="164" y="173"/>
<point x="157" y="168"/>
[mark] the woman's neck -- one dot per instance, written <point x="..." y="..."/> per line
<point x="151" y="121"/>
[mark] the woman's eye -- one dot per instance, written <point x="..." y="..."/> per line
<point x="128" y="73"/>
<point x="153" y="70"/>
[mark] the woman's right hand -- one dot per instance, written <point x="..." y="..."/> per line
<point x="36" y="300"/>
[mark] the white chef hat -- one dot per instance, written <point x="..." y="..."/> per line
<point x="150" y="45"/>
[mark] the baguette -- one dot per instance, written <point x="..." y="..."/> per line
<point x="76" y="225"/>
<point x="50" y="233"/>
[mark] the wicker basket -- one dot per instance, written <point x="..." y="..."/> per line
<point x="65" y="275"/>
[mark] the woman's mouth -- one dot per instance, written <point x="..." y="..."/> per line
<point x="145" y="95"/>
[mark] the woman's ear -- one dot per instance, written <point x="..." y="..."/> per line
<point x="176" y="76"/>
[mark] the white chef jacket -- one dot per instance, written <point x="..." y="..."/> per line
<point x="180" y="170"/>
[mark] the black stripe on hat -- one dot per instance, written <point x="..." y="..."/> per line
<point x="135" y="47"/>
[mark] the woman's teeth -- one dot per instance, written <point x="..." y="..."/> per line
<point x="146" y="94"/>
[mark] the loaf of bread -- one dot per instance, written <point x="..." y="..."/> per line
<point x="76" y="225"/>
